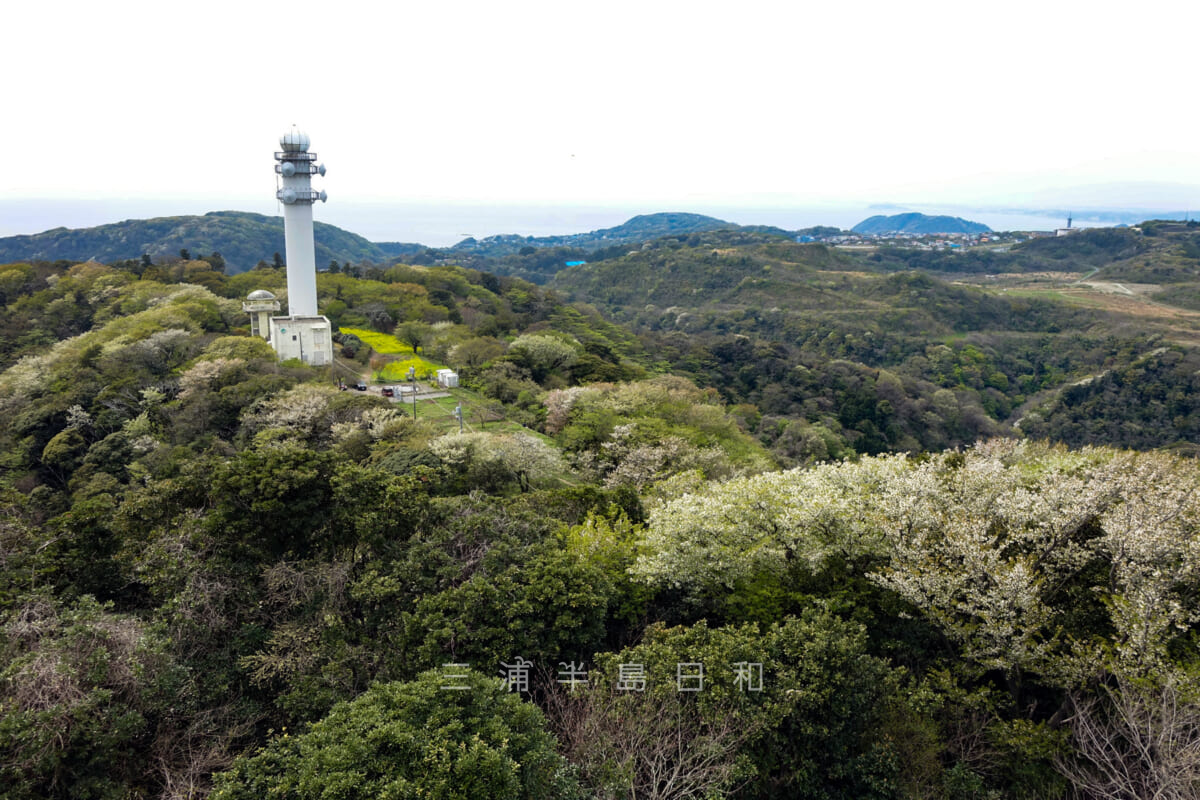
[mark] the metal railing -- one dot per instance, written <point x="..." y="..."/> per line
<point x="311" y="169"/>
<point x="301" y="195"/>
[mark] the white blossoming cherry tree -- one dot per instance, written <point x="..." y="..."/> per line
<point x="1029" y="557"/>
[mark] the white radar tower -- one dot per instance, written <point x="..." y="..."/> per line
<point x="296" y="167"/>
<point x="302" y="334"/>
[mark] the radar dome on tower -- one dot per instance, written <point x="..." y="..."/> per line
<point x="294" y="141"/>
<point x="259" y="304"/>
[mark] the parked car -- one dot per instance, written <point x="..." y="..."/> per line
<point x="388" y="391"/>
<point x="361" y="386"/>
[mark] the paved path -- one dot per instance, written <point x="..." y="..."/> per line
<point x="406" y="397"/>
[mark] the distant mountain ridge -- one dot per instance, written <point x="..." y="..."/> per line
<point x="915" y="222"/>
<point x="245" y="238"/>
<point x="241" y="237"/>
<point x="641" y="228"/>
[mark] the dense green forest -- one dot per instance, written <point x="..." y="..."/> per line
<point x="241" y="238"/>
<point x="830" y="352"/>
<point x="244" y="239"/>
<point x="729" y="515"/>
<point x="634" y="231"/>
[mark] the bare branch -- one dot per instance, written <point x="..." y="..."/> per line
<point x="1136" y="742"/>
<point x="634" y="745"/>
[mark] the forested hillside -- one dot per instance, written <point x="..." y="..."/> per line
<point x="538" y="259"/>
<point x="242" y="239"/>
<point x="914" y="222"/>
<point x="1100" y="248"/>
<point x="826" y="351"/>
<point x="754" y="521"/>
<point x="636" y="230"/>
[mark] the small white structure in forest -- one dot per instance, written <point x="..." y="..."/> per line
<point x="260" y="305"/>
<point x="447" y="378"/>
<point x="303" y="333"/>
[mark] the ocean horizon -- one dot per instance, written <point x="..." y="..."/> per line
<point x="442" y="224"/>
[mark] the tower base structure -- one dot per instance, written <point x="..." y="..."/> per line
<point x="308" y="338"/>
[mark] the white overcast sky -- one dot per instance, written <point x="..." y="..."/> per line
<point x="635" y="103"/>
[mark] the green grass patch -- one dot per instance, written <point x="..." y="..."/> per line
<point x="1084" y="299"/>
<point x="440" y="412"/>
<point x="1043" y="294"/>
<point x="397" y="371"/>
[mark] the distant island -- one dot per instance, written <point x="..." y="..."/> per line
<point x="917" y="223"/>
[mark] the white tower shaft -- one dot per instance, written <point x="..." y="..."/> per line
<point x="301" y="258"/>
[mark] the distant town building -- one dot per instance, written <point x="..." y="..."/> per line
<point x="1067" y="231"/>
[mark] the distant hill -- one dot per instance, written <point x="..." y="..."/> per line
<point x="641" y="228"/>
<point x="914" y="222"/>
<point x="400" y="249"/>
<point x="1166" y="256"/>
<point x="242" y="238"/>
<point x="868" y="344"/>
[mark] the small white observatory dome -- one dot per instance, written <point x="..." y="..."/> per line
<point x="260" y="294"/>
<point x="294" y="141"/>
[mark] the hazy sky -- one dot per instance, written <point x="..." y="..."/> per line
<point x="645" y="103"/>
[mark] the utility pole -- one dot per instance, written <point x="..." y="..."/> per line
<point x="412" y="376"/>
